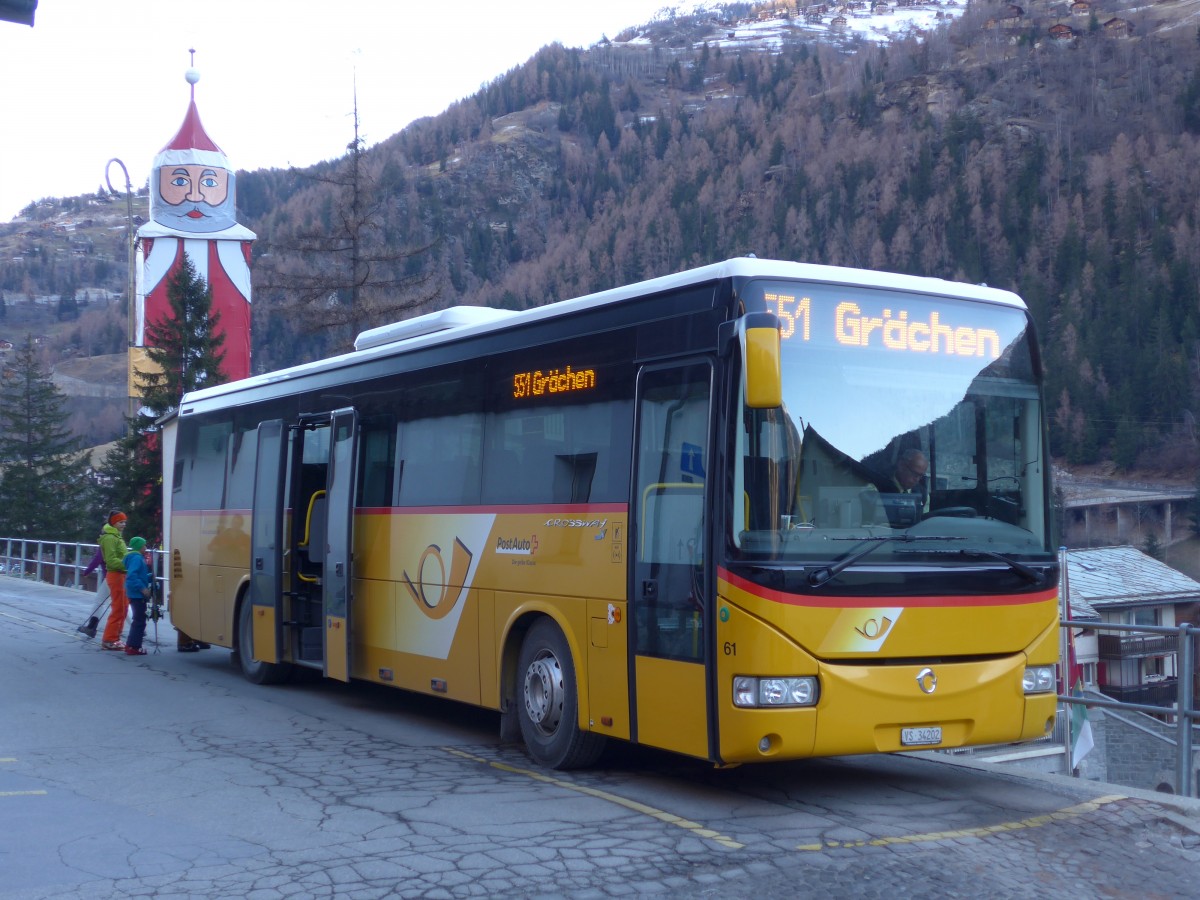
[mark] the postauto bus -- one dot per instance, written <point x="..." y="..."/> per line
<point x="668" y="513"/>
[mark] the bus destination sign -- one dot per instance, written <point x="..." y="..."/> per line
<point x="556" y="381"/>
<point x="894" y="328"/>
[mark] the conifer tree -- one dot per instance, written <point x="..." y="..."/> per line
<point x="343" y="272"/>
<point x="185" y="351"/>
<point x="1153" y="547"/>
<point x="184" y="346"/>
<point x="43" y="476"/>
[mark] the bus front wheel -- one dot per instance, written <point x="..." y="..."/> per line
<point x="548" y="702"/>
<point x="255" y="670"/>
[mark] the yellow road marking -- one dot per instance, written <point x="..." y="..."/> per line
<point x="13" y="759"/>
<point x="37" y="624"/>
<point x="1071" y="812"/>
<point x="669" y="818"/>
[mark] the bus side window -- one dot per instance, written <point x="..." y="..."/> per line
<point x="566" y="445"/>
<point x="208" y="471"/>
<point x="239" y="476"/>
<point x="378" y="457"/>
<point x="438" y="461"/>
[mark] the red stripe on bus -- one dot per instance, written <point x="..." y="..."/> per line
<point x="575" y="509"/>
<point x="953" y="601"/>
<point x="606" y="509"/>
<point x="210" y="512"/>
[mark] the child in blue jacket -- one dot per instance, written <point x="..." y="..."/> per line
<point x="138" y="588"/>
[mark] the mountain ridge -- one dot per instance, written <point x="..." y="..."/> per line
<point x="980" y="152"/>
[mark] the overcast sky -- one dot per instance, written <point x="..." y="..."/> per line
<point x="97" y="79"/>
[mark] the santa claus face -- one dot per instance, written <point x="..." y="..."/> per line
<point x="195" y="184"/>
<point x="196" y="198"/>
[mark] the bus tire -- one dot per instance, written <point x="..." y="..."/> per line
<point x="548" y="701"/>
<point x="254" y="670"/>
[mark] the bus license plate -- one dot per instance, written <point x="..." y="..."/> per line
<point x="920" y="737"/>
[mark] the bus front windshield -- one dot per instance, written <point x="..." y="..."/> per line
<point x="910" y="424"/>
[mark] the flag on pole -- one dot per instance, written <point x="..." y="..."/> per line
<point x="1081" y="729"/>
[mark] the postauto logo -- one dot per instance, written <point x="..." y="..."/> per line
<point x="517" y="546"/>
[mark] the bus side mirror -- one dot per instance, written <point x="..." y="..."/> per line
<point x="758" y="334"/>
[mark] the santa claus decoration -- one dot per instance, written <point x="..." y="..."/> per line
<point x="192" y="211"/>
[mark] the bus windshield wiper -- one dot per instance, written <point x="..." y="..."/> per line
<point x="1030" y="574"/>
<point x="820" y="577"/>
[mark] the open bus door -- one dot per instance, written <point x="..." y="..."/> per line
<point x="337" y="571"/>
<point x="266" y="543"/>
<point x="668" y="592"/>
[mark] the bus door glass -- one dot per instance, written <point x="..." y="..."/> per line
<point x="266" y="542"/>
<point x="669" y="583"/>
<point x="339" y="535"/>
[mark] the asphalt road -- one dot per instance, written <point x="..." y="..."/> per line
<point x="170" y="776"/>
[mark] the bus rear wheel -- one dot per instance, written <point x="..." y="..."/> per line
<point x="548" y="702"/>
<point x="255" y="670"/>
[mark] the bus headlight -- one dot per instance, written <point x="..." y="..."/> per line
<point x="750" y="692"/>
<point x="1038" y="679"/>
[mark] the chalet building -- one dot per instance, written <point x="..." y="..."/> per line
<point x="1118" y="28"/>
<point x="1062" y="32"/>
<point x="1124" y="586"/>
<point x="838" y="23"/>
<point x="1010" y="18"/>
<point x="1081" y="8"/>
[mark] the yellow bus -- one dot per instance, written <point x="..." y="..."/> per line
<point x="758" y="510"/>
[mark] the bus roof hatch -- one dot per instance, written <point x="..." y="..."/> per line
<point x="443" y="320"/>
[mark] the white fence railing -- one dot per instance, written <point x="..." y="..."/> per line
<point x="56" y="562"/>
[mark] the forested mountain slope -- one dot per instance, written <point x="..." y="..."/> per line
<point x="988" y="151"/>
<point x="1067" y="171"/>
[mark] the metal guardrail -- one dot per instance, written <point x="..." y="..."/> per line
<point x="58" y="563"/>
<point x="1183" y="709"/>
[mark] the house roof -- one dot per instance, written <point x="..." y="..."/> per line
<point x="1114" y="577"/>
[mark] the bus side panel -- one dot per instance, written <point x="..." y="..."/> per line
<point x="385" y="649"/>
<point x="431" y="585"/>
<point x="224" y="567"/>
<point x="668" y="691"/>
<point x="416" y="607"/>
<point x="608" y="668"/>
<point x="183" y="601"/>
<point x="205" y="580"/>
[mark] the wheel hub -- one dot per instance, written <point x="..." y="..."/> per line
<point x="543" y="692"/>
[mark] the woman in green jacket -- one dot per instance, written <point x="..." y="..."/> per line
<point x="112" y="547"/>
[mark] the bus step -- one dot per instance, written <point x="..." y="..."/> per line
<point x="311" y="643"/>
